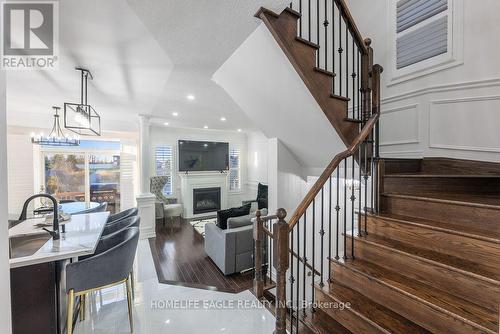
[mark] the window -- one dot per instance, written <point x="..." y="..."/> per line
<point x="164" y="164"/>
<point x="87" y="173"/>
<point x="426" y="36"/>
<point x="234" y="169"/>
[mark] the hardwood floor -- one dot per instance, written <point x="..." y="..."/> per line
<point x="180" y="259"/>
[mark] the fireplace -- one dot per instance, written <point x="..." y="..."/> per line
<point x="206" y="200"/>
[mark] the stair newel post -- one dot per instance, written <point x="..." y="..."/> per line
<point x="281" y="264"/>
<point x="366" y="86"/>
<point x="258" y="231"/>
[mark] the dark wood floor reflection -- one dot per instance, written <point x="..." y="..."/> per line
<point x="180" y="259"/>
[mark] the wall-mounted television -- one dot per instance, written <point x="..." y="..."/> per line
<point x="203" y="156"/>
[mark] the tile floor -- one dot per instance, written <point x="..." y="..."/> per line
<point x="190" y="310"/>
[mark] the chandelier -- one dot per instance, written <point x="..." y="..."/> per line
<point x="81" y="118"/>
<point x="56" y="136"/>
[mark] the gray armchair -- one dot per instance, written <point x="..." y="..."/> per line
<point x="132" y="221"/>
<point x="111" y="267"/>
<point x="164" y="207"/>
<point x="231" y="249"/>
<point x="123" y="214"/>
<point x="100" y="208"/>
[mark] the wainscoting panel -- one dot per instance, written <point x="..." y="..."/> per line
<point x="399" y="126"/>
<point x="469" y="124"/>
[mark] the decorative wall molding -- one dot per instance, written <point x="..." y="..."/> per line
<point x="402" y="154"/>
<point x="415" y="123"/>
<point x="459" y="147"/>
<point x="474" y="84"/>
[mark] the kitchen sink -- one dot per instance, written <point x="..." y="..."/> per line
<point x="26" y="245"/>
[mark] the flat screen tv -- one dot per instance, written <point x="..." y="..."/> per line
<point x="195" y="156"/>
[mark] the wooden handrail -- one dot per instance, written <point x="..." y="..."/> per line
<point x="316" y="188"/>
<point x="346" y="13"/>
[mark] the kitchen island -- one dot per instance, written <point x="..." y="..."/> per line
<point x="38" y="264"/>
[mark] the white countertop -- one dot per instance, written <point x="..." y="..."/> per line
<point x="82" y="235"/>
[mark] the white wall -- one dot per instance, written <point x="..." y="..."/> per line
<point x="161" y="135"/>
<point x="5" y="312"/>
<point x="257" y="161"/>
<point x="263" y="82"/>
<point x="21" y="178"/>
<point x="286" y="182"/>
<point x="452" y="112"/>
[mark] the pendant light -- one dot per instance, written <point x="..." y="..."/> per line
<point x="81" y="118"/>
<point x="56" y="136"/>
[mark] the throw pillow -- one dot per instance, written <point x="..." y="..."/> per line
<point x="262" y="191"/>
<point x="223" y="215"/>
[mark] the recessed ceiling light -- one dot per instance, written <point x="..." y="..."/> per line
<point x="223" y="119"/>
<point x="205" y="126"/>
<point x="166" y="123"/>
<point x="239" y="130"/>
<point x="190" y="97"/>
<point x="175" y="113"/>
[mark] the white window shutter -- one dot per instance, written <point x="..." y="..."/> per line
<point x="127" y="177"/>
<point x="234" y="169"/>
<point x="428" y="39"/>
<point x="164" y="166"/>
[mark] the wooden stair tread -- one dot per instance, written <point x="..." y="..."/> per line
<point x="483" y="201"/>
<point x="309" y="43"/>
<point x="469" y="231"/>
<point x="370" y="310"/>
<point x="354" y="120"/>
<point x="317" y="324"/>
<point x="427" y="294"/>
<point x="325" y="72"/>
<point x="343" y="98"/>
<point x="465" y="266"/>
<point x="465" y="176"/>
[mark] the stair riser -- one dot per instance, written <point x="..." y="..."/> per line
<point x="411" y="308"/>
<point x="483" y="252"/>
<point x="407" y="166"/>
<point x="351" y="320"/>
<point x="436" y="185"/>
<point x="483" y="218"/>
<point x="481" y="292"/>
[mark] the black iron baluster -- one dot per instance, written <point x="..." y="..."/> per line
<point x="313" y="223"/>
<point x="309" y="19"/>
<point x="291" y="5"/>
<point x="298" y="280"/>
<point x="372" y="163"/>
<point x="347" y="61"/>
<point x="340" y="51"/>
<point x="345" y="208"/>
<point x="358" y="90"/>
<point x="322" y="234"/>
<point x="325" y="24"/>
<point x="333" y="46"/>
<point x="347" y="58"/>
<point x="330" y="231"/>
<point x="305" y="261"/>
<point x="359" y="193"/>
<point x="353" y="199"/>
<point x="292" y="281"/>
<point x="318" y="54"/>
<point x="300" y="18"/>
<point x="353" y="81"/>
<point x="337" y="209"/>
<point x="366" y="186"/>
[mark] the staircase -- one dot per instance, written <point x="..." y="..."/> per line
<point x="377" y="245"/>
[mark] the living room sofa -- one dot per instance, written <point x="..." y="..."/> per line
<point x="231" y="249"/>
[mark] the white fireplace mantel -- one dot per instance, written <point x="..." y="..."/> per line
<point x="198" y="180"/>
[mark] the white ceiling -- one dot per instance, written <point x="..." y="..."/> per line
<point x="146" y="57"/>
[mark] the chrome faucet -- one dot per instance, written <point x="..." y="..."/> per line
<point x="55" y="222"/>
